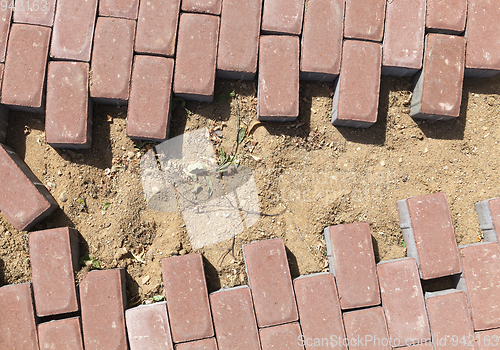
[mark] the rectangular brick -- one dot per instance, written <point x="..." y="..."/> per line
<point x="187" y="297"/>
<point x="74" y="23"/>
<point x="25" y="65"/>
<point x="103" y="301"/>
<point x="488" y="214"/>
<point x="195" y="64"/>
<point x="282" y="17"/>
<point x="403" y="301"/>
<point x="5" y="18"/>
<point x="440" y="99"/>
<point x="278" y="90"/>
<point x="270" y="282"/>
<point x="24" y="200"/>
<point x="429" y="236"/>
<point x="61" y="334"/>
<point x="148" y="327"/>
<point x="284" y="337"/>
<point x="488" y="340"/>
<point x="364" y="19"/>
<point x="319" y="310"/>
<point x="239" y="39"/>
<point x="17" y="324"/>
<point x="322" y="40"/>
<point x="127" y="9"/>
<point x="204" y="344"/>
<point x="68" y="116"/>
<point x="148" y="115"/>
<point x="212" y="7"/>
<point x="39" y="12"/>
<point x="367" y="329"/>
<point x="359" y="80"/>
<point x="350" y="253"/>
<point x="446" y="16"/>
<point x="156" y="31"/>
<point x="234" y="319"/>
<point x="404" y="37"/>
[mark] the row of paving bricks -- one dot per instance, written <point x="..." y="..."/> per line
<point x="359" y="304"/>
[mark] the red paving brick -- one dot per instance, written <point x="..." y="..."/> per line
<point x="119" y="8"/>
<point x="350" y="251"/>
<point x="270" y="281"/>
<point x="319" y="309"/>
<point x="25" y="66"/>
<point x="278" y="90"/>
<point x="234" y="319"/>
<point x="322" y="40"/>
<point x="367" y="329"/>
<point x="239" y="39"/>
<point x="204" y="344"/>
<point x="488" y="340"/>
<point x="403" y="301"/>
<point x="61" y="334"/>
<point x="438" y="92"/>
<point x="5" y="18"/>
<point x="34" y="12"/>
<point x="24" y="201"/>
<point x="284" y="337"/>
<point x="17" y="318"/>
<point x="446" y="16"/>
<point x="103" y="301"/>
<point x="212" y="7"/>
<point x="404" y="37"/>
<point x="148" y="327"/>
<point x="364" y="19"/>
<point x="74" y="23"/>
<point x="282" y="17"/>
<point x="148" y="115"/>
<point x="355" y="101"/>
<point x="195" y="64"/>
<point x="187" y="297"/>
<point x="488" y="213"/>
<point x="68" y="116"/>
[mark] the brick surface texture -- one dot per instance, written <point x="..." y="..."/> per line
<point x="5" y="18"/>
<point x="280" y="17"/>
<point x="446" y="16"/>
<point x="284" y="337"/>
<point x="119" y="8"/>
<point x="494" y="205"/>
<point x="35" y="12"/>
<point x="489" y="339"/>
<point x="61" y="334"/>
<point x="362" y="324"/>
<point x="204" y="344"/>
<point x="212" y="7"/>
<point x="364" y="19"/>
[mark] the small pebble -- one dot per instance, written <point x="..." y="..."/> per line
<point x="183" y="252"/>
<point x="174" y="253"/>
<point x="130" y="155"/>
<point x="63" y="197"/>
<point x="145" y="279"/>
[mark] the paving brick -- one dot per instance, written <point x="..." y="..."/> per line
<point x="24" y="200"/>
<point x="437" y="94"/>
<point x="364" y="19"/>
<point x="319" y="309"/>
<point x="74" y="23"/>
<point x="446" y="16"/>
<point x="112" y="60"/>
<point x="234" y="319"/>
<point x="423" y="346"/>
<point x="4" y="112"/>
<point x="156" y="31"/>
<point x="270" y="281"/>
<point x="68" y="116"/>
<point x="187" y="297"/>
<point x="403" y="301"/>
<point x="403" y="37"/>
<point x="212" y="7"/>
<point x="148" y="327"/>
<point x="25" y="65"/>
<point x="488" y="340"/>
<point x="127" y="9"/>
<point x="149" y="107"/>
<point x="481" y="281"/>
<point x="103" y="301"/>
<point x="351" y="257"/>
<point x="35" y="12"/>
<point x="204" y="344"/>
<point x="284" y="337"/>
<point x="279" y="17"/>
<point x="367" y="329"/>
<point x="322" y="40"/>
<point x="278" y="90"/>
<point x="357" y="89"/>
<point x="17" y="321"/>
<point x="239" y="39"/>
<point x="429" y="236"/>
<point x="195" y="64"/>
<point x="5" y="18"/>
<point x="488" y="213"/>
<point x="61" y="334"/>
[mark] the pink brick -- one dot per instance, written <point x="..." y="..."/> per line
<point x="204" y="344"/>
<point x="350" y="252"/>
<point x="270" y="281"/>
<point x="39" y="12"/>
<point x="319" y="310"/>
<point x="25" y="66"/>
<point x="202" y="6"/>
<point x="68" y="116"/>
<point x="157" y="27"/>
<point x="61" y="334"/>
<point x="278" y="91"/>
<point x="17" y="321"/>
<point x="488" y="340"/>
<point x="194" y="77"/>
<point x="187" y="297"/>
<point x="234" y="319"/>
<point x="322" y="40"/>
<point x="355" y="102"/>
<point x="103" y="301"/>
<point x="119" y="8"/>
<point x="422" y="346"/>
<point x="367" y="329"/>
<point x="148" y="327"/>
<point x="364" y="19"/>
<point x="282" y="17"/>
<point x="403" y="301"/>
<point x="488" y="212"/>
<point x="5" y="18"/>
<point x="148" y="114"/>
<point x="446" y="16"/>
<point x="440" y="99"/>
<point x="239" y="39"/>
<point x="404" y="37"/>
<point x="284" y="337"/>
<point x="24" y="201"/>
<point x="74" y="23"/>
